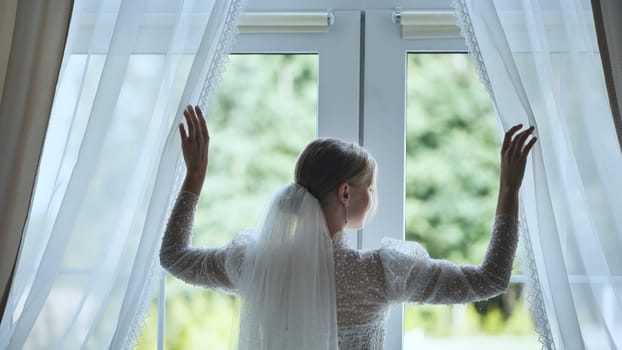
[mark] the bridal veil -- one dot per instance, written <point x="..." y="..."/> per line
<point x="287" y="281"/>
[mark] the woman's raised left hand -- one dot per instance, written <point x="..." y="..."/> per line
<point x="195" y="143"/>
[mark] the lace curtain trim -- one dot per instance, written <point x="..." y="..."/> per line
<point x="533" y="289"/>
<point x="216" y="69"/>
<point x="466" y="30"/>
<point x="225" y="43"/>
<point x="534" y="292"/>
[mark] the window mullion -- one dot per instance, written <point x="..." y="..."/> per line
<point x="384" y="136"/>
<point x="338" y="95"/>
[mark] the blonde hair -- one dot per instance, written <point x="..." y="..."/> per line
<point x="326" y="163"/>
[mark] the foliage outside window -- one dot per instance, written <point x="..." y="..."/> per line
<point x="265" y="112"/>
<point x="452" y="175"/>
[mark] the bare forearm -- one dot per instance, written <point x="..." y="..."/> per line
<point x="507" y="202"/>
<point x="193" y="183"/>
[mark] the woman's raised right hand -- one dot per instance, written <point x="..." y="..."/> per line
<point x="514" y="152"/>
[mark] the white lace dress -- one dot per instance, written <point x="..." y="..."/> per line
<point x="367" y="282"/>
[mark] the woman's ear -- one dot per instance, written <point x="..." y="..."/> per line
<point x="343" y="194"/>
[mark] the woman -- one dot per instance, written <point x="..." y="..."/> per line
<point x="301" y="284"/>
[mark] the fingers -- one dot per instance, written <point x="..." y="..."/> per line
<point x="202" y="122"/>
<point x="516" y="144"/>
<point x="507" y="140"/>
<point x="528" y="147"/>
<point x="195" y="123"/>
<point x="519" y="140"/>
<point x="182" y="133"/>
<point x="191" y="125"/>
<point x="514" y="155"/>
<point x="197" y="127"/>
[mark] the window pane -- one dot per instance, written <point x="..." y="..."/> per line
<point x="264" y="113"/>
<point x="452" y="172"/>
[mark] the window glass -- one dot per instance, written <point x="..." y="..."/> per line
<point x="263" y="114"/>
<point x="452" y="176"/>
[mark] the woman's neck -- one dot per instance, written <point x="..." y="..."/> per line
<point x="334" y="218"/>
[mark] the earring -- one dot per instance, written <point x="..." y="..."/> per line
<point x="347" y="215"/>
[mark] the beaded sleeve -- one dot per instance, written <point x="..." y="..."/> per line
<point x="412" y="276"/>
<point x="214" y="268"/>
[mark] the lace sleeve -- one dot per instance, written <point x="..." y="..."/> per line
<point x="214" y="268"/>
<point x="412" y="276"/>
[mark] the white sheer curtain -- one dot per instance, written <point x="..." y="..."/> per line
<point x="110" y="168"/>
<point x="540" y="61"/>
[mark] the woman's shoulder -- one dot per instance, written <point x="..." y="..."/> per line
<point x="388" y="247"/>
<point x="361" y="260"/>
<point x="357" y="255"/>
<point x="391" y="256"/>
<point x="397" y="247"/>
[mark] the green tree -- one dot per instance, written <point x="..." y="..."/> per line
<point x="263" y="114"/>
<point x="452" y="158"/>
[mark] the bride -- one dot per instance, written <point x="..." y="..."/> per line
<point x="302" y="286"/>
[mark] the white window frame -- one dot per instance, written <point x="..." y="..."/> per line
<point x="338" y="78"/>
<point x="386" y="57"/>
<point x="356" y="102"/>
<point x="338" y="53"/>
